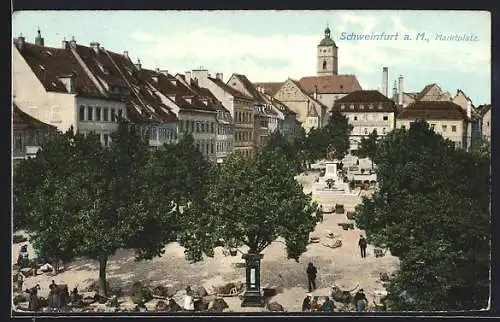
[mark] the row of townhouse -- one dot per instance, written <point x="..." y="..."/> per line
<point x="90" y="88"/>
<point x="370" y="110"/>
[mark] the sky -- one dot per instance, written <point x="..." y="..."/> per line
<point x="271" y="45"/>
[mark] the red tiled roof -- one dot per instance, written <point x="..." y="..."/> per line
<point x="22" y="121"/>
<point x="49" y="63"/>
<point x="141" y="94"/>
<point x="271" y="87"/>
<point x="362" y="100"/>
<point x="306" y="93"/>
<point x="433" y="110"/>
<point x="330" y="84"/>
<point x="228" y="89"/>
<point x="249" y="87"/>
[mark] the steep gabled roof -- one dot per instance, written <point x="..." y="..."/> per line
<point x="24" y="121"/>
<point x="228" y="89"/>
<point x="271" y="87"/>
<point x="144" y="105"/>
<point x="296" y="83"/>
<point x="330" y="84"/>
<point x="433" y="110"/>
<point x="249" y="87"/>
<point x="48" y="64"/>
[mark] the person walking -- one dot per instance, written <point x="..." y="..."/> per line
<point x="311" y="276"/>
<point x="360" y="300"/>
<point x="306" y="304"/>
<point x="362" y="246"/>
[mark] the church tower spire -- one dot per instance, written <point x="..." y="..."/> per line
<point x="327" y="57"/>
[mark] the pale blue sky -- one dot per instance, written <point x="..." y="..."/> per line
<point x="274" y="45"/>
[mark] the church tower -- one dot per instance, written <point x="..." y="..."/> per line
<point x="327" y="56"/>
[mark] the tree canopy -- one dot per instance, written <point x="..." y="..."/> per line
<point x="82" y="199"/>
<point x="432" y="211"/>
<point x="368" y="146"/>
<point x="252" y="202"/>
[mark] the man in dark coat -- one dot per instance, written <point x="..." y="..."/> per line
<point x="33" y="298"/>
<point x="311" y="276"/>
<point x="362" y="246"/>
<point x="360" y="301"/>
<point x="306" y="304"/>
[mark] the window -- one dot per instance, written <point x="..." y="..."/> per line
<point x="197" y="127"/>
<point x="453" y="128"/>
<point x="361" y="107"/>
<point x="120" y="112"/>
<point x="212" y="127"/>
<point x="324" y="64"/>
<point x="342" y="107"/>
<point x="207" y="148"/>
<point x="383" y="130"/>
<point x="202" y="127"/>
<point x="366" y="130"/>
<point x="211" y="148"/>
<point x="192" y="126"/>
<point x="385" y="117"/>
<point x="97" y="113"/>
<point x="82" y="113"/>
<point x="89" y="113"/>
<point x="444" y="128"/>
<point x="106" y="139"/>
<point x="18" y="143"/>
<point x="355" y="118"/>
<point x="105" y="114"/>
<point x="113" y="116"/>
<point x="351" y="106"/>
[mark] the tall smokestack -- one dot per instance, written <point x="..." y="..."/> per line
<point x="385" y="81"/>
<point x="400" y="89"/>
<point x="394" y="92"/>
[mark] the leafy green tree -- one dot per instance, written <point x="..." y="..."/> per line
<point x="432" y="211"/>
<point x="299" y="144"/>
<point x="283" y="147"/>
<point x="252" y="202"/>
<point x="334" y="134"/>
<point x="368" y="146"/>
<point x="87" y="200"/>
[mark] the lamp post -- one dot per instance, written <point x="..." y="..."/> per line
<point x="252" y="296"/>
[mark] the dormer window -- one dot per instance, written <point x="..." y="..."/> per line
<point x="370" y="107"/>
<point x="351" y="106"/>
<point x="361" y="107"/>
<point x="41" y="67"/>
<point x="380" y="106"/>
<point x="48" y="53"/>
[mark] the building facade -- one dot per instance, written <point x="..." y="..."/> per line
<point x="239" y="105"/>
<point x="444" y="117"/>
<point x="367" y="111"/>
<point x="29" y="134"/>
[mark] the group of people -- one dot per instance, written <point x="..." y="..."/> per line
<point x="311" y="304"/>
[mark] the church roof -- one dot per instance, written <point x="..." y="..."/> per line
<point x="330" y="84"/>
<point x="327" y="42"/>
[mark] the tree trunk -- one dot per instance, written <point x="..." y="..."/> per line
<point x="103" y="289"/>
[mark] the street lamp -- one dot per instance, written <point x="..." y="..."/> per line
<point x="252" y="296"/>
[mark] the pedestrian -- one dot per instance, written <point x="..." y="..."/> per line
<point x="360" y="301"/>
<point x="54" y="298"/>
<point x="20" y="280"/>
<point x="188" y="300"/>
<point x="306" y="304"/>
<point x="328" y="305"/>
<point x="319" y="214"/>
<point x="311" y="276"/>
<point x="33" y="304"/>
<point x="362" y="246"/>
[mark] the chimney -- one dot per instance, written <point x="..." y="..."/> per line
<point x="199" y="74"/>
<point x="95" y="46"/>
<point x="394" y="92"/>
<point x="39" y="40"/>
<point x="469" y="109"/>
<point x="157" y="70"/>
<point x="400" y="89"/>
<point x="188" y="78"/>
<point x="385" y="81"/>
<point x="219" y="76"/>
<point x="125" y="53"/>
<point x="20" y="42"/>
<point x="138" y="64"/>
<point x="72" y="42"/>
<point x="315" y="92"/>
<point x="64" y="44"/>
